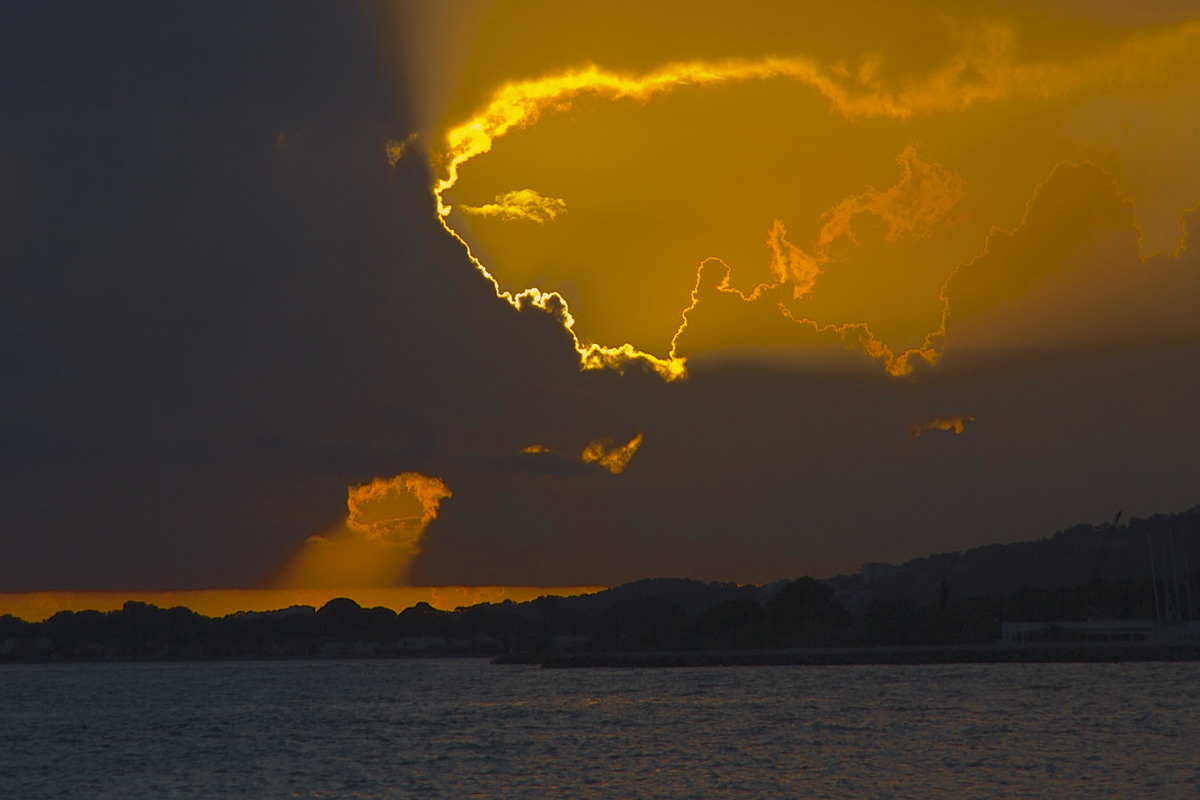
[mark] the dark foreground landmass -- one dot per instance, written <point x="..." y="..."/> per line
<point x="940" y="609"/>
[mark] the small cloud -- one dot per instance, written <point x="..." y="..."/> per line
<point x="911" y="209"/>
<point x="522" y="204"/>
<point x="395" y="510"/>
<point x="396" y="150"/>
<point x="376" y="544"/>
<point x="955" y="423"/>
<point x="613" y="459"/>
<point x="790" y="264"/>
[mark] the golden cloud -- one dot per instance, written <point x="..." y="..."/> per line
<point x="613" y="459"/>
<point x="375" y="545"/>
<point x="522" y="204"/>
<point x="855" y="265"/>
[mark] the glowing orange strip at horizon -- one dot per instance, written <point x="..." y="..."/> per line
<point x="39" y="606"/>
<point x="982" y="70"/>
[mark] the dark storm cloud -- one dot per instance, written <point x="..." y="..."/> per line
<point x="207" y="333"/>
<point x="749" y="473"/>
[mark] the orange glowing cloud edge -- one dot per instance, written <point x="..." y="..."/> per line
<point x="908" y="212"/>
<point x="613" y="459"/>
<point x="376" y="544"/>
<point x="982" y="70"/>
<point x="601" y="452"/>
<point x="428" y="492"/>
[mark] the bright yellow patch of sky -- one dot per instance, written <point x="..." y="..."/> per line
<point x="851" y="156"/>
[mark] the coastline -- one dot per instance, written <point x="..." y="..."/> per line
<point x="889" y="655"/>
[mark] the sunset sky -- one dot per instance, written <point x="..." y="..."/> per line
<point x="499" y="293"/>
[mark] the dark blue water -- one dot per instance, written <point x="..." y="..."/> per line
<point x="455" y="729"/>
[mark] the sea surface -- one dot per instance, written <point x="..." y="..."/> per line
<point x="465" y="728"/>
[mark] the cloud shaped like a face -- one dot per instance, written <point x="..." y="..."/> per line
<point x="677" y="170"/>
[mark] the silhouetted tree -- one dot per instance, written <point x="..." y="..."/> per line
<point x="649" y="623"/>
<point x="804" y="614"/>
<point x="734" y="623"/>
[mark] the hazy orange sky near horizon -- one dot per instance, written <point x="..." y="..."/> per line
<point x="38" y="606"/>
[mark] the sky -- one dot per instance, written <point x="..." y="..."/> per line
<point x="494" y="293"/>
